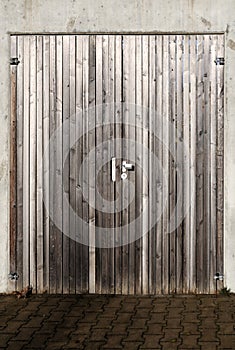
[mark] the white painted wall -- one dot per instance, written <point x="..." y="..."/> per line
<point x="74" y="16"/>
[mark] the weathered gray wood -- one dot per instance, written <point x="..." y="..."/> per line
<point x="46" y="161"/>
<point x="32" y="161"/>
<point x="92" y="177"/>
<point x="165" y="116"/>
<point x="52" y="164"/>
<point x="80" y="249"/>
<point x="99" y="100"/>
<point x="66" y="160"/>
<point x="200" y="162"/>
<point x="13" y="160"/>
<point x="192" y="156"/>
<point x="117" y="185"/>
<point x="145" y="200"/>
<point x="85" y="78"/>
<point x="26" y="165"/>
<point x="73" y="160"/>
<point x="19" y="151"/>
<point x="39" y="167"/>
<point x="173" y="79"/>
<point x="172" y="172"/>
<point x="151" y="169"/>
<point x="139" y="164"/>
<point x="179" y="162"/>
<point x="130" y="119"/>
<point x="207" y="163"/>
<point x="220" y="156"/>
<point x="186" y="178"/>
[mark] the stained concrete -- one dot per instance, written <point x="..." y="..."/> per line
<point x="204" y="16"/>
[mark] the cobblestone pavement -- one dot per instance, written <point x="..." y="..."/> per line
<point x="117" y="322"/>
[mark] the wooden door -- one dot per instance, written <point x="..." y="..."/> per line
<point x="81" y="106"/>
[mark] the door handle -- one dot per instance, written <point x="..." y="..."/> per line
<point x="113" y="166"/>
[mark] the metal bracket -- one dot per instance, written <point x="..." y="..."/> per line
<point x="13" y="276"/>
<point x="14" y="61"/>
<point x="219" y="61"/>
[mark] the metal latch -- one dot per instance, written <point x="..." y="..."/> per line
<point x="126" y="166"/>
<point x="14" y="61"/>
<point x="219" y="61"/>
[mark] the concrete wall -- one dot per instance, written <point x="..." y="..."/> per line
<point x="74" y="16"/>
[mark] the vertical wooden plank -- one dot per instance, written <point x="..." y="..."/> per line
<point x="79" y="127"/>
<point x="85" y="176"/>
<point x="66" y="160"/>
<point x="92" y="177"/>
<point x="179" y="161"/>
<point x="207" y="166"/>
<point x="13" y="160"/>
<point x="111" y="100"/>
<point x="118" y="134"/>
<point x="165" y="113"/>
<point x="151" y="169"/>
<point x="220" y="156"/>
<point x="186" y="177"/>
<point x="99" y="100"/>
<point x="159" y="173"/>
<point x="130" y="119"/>
<point x="58" y="170"/>
<point x="145" y="91"/>
<point x="19" y="151"/>
<point x="46" y="160"/>
<point x="200" y="162"/>
<point x="212" y="174"/>
<point x="193" y="131"/>
<point x="106" y="222"/>
<point x="32" y="162"/>
<point x="139" y="163"/>
<point x="73" y="161"/>
<point x="26" y="165"/>
<point x="172" y="174"/>
<point x="39" y="174"/>
<point x="52" y="121"/>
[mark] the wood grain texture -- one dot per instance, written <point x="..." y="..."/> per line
<point x="165" y="93"/>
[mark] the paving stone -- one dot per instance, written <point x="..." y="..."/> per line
<point x="94" y="346"/>
<point x="226" y="328"/>
<point x="227" y="341"/>
<point x="134" y="335"/>
<point x="190" y="328"/>
<point x="82" y="328"/>
<point x="154" y="328"/>
<point x="4" y="338"/>
<point x="190" y="341"/>
<point x="173" y="323"/>
<point x="208" y="324"/>
<point x="171" y="335"/>
<point x="17" y="345"/>
<point x="119" y="329"/>
<point x="123" y="318"/>
<point x="138" y="323"/>
<point x="207" y="336"/>
<point x="97" y="335"/>
<point x="131" y="345"/>
<point x="56" y="345"/>
<point x="113" y="342"/>
<point x="151" y="341"/>
<point x="38" y="340"/>
<point x="210" y="346"/>
<point x="103" y="323"/>
<point x="157" y="318"/>
<point x="25" y="334"/>
<point x="56" y="316"/>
